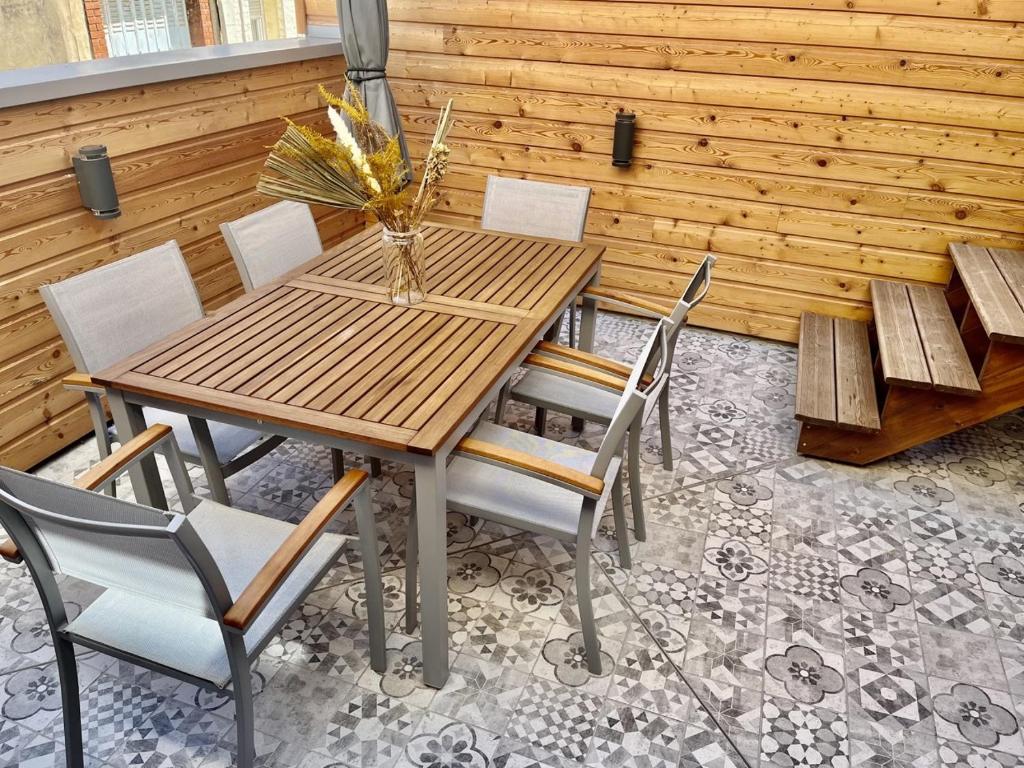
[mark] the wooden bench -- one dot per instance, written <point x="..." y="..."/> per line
<point x="835" y="385"/>
<point x="918" y="341"/>
<point x="994" y="279"/>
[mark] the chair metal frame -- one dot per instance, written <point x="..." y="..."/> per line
<point x="234" y="616"/>
<point x="590" y="487"/>
<point x="206" y="456"/>
<point x="695" y="292"/>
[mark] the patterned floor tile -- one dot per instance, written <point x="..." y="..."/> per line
<point x="914" y="750"/>
<point x="630" y="737"/>
<point x="688" y="508"/>
<point x="884" y="703"/>
<point x="801" y="735"/>
<point x="505" y="636"/>
<point x="403" y="674"/>
<point x="370" y="728"/>
<point x="980" y="716"/>
<point x="536" y="591"/>
<point x="962" y="656"/>
<point x="556" y="718"/>
<point x="709" y="748"/>
<point x="730" y="604"/>
<point x="943" y="604"/>
<point x="958" y="754"/>
<point x="805" y="675"/>
<point x="796" y="619"/>
<point x="888" y="640"/>
<point x="881" y="549"/>
<point x="440" y="741"/>
<point x="735" y="560"/>
<point x="727" y="655"/>
<point x="805" y="576"/>
<point x="563" y="659"/>
<point x="646" y="678"/>
<point x="480" y="693"/>
<point x="671" y="548"/>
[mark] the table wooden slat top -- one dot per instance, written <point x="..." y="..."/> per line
<point x="325" y="350"/>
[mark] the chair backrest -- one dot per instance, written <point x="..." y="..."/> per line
<point x="108" y="313"/>
<point x="695" y="292"/>
<point x="110" y="542"/>
<point x="272" y="241"/>
<point x="535" y="208"/>
<point x="655" y="358"/>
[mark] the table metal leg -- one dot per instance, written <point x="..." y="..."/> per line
<point x="432" y="533"/>
<point x="208" y="456"/>
<point x="144" y="474"/>
<point x="588" y="322"/>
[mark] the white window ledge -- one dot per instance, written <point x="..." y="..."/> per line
<point x="57" y="81"/>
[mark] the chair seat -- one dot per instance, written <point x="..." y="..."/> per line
<point x="241" y="543"/>
<point x="499" y="494"/>
<point x="557" y="393"/>
<point x="228" y="440"/>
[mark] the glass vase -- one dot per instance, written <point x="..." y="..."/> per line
<point x="404" y="269"/>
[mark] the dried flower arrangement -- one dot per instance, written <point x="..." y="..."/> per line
<point x="362" y="169"/>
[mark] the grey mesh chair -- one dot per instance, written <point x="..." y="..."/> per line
<point x="580" y="398"/>
<point x="113" y="311"/>
<point x="537" y="209"/>
<point x="548" y="487"/>
<point x="272" y="242"/>
<point x="196" y="596"/>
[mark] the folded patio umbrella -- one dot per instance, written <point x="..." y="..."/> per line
<point x="364" y="36"/>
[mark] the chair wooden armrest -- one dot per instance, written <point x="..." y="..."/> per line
<point x="9" y="552"/>
<point x="272" y="575"/>
<point x="119" y="460"/>
<point x="635" y="303"/>
<point x="82" y="382"/>
<point x="573" y="371"/>
<point x="589" y="359"/>
<point x="545" y="469"/>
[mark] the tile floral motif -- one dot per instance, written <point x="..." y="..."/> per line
<point x="403" y="675"/>
<point x="924" y="491"/>
<point x="804" y="674"/>
<point x="646" y="678"/>
<point x="531" y="590"/>
<point x="805" y="575"/>
<point x="799" y="735"/>
<point x="1006" y="572"/>
<point x="977" y="716"/>
<point x="628" y="736"/>
<point x="564" y="658"/>
<point x="449" y="743"/>
<point x="474" y="573"/>
<point x="734" y="560"/>
<point x="958" y="754"/>
<point x="875" y="590"/>
<point x="888" y="640"/>
<point x="977" y="471"/>
<point x="744" y="490"/>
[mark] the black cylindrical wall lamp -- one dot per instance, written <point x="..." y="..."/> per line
<point x="96" y="181"/>
<point x="622" y="145"/>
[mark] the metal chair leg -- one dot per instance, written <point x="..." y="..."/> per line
<point x="584" y="601"/>
<point x="67" y="669"/>
<point x="502" y="401"/>
<point x="572" y="324"/>
<point x="99" y="426"/>
<point x="241" y="683"/>
<point x="375" y="468"/>
<point x="666" y="432"/>
<point x="635" y="483"/>
<point x="621" y="530"/>
<point x="540" y="421"/>
<point x="371" y="579"/>
<point x="337" y="463"/>
<point x="411" y="562"/>
<point x="211" y="464"/>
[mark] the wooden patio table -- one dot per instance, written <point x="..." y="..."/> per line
<point x="322" y="355"/>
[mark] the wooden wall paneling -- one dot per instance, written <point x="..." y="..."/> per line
<point x="185" y="157"/>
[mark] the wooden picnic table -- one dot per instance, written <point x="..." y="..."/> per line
<point x="322" y="355"/>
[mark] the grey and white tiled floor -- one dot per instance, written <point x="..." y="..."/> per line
<point x="783" y="611"/>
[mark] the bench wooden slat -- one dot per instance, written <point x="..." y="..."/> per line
<point x="856" y="400"/>
<point x="899" y="346"/>
<point x="948" y="363"/>
<point x="1000" y="312"/>
<point x="1011" y="266"/>
<point x="815" y="381"/>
